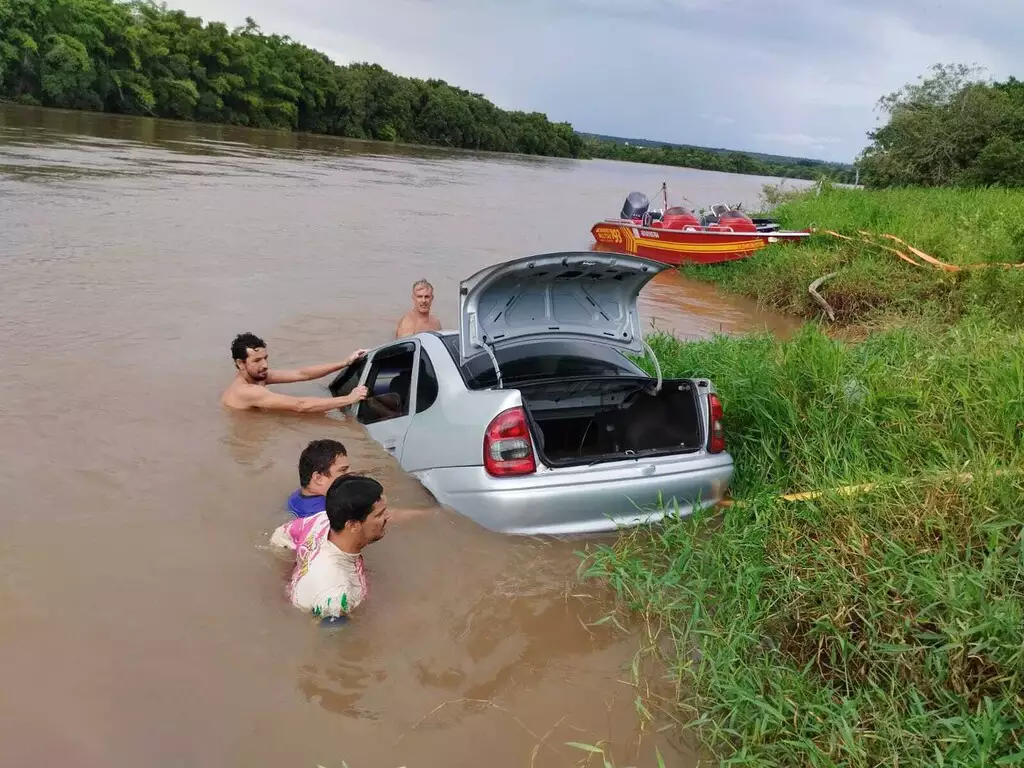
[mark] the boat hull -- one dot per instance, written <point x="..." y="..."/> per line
<point x="677" y="246"/>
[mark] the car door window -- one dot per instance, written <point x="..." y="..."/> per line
<point x="426" y="384"/>
<point x="347" y="379"/>
<point x="389" y="382"/>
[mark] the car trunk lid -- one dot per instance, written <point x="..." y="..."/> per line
<point x="580" y="295"/>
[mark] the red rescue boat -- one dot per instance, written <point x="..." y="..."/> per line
<point x="676" y="235"/>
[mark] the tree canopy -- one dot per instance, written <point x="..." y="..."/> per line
<point x="727" y="161"/>
<point x="951" y="128"/>
<point x="137" y="57"/>
<point x="140" y="58"/>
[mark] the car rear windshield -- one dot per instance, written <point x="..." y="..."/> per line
<point x="530" y="361"/>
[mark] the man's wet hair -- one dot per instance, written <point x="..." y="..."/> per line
<point x="243" y="343"/>
<point x="351" y="497"/>
<point x="318" y="456"/>
<point x="422" y="283"/>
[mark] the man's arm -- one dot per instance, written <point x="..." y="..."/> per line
<point x="281" y="537"/>
<point x="402" y="514"/>
<point x="312" y="371"/>
<point x="260" y="397"/>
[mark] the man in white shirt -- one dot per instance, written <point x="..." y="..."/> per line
<point x="329" y="579"/>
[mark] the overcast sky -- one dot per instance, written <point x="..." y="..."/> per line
<point x="794" y="77"/>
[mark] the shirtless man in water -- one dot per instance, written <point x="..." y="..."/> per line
<point x="249" y="388"/>
<point x="419" y="318"/>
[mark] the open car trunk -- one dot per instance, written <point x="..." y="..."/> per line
<point x="588" y="421"/>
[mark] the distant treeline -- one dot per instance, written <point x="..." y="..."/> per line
<point x="140" y="58"/>
<point x="949" y="129"/>
<point x="719" y="160"/>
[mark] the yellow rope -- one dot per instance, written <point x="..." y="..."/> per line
<point x="852" y="490"/>
<point x="924" y="257"/>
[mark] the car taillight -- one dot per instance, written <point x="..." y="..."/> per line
<point x="507" y="446"/>
<point x="716" y="432"/>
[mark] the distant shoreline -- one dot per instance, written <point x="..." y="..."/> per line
<point x="145" y="60"/>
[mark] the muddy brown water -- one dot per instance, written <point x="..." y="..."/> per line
<point x="142" y="618"/>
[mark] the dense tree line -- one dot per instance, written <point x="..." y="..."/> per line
<point x="139" y="58"/>
<point x="720" y="160"/>
<point x="949" y="129"/>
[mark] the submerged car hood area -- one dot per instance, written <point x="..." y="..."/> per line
<point x="581" y="295"/>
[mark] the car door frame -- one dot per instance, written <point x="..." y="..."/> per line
<point x="390" y="433"/>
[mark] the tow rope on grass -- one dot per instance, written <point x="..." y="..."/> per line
<point x="925" y="259"/>
<point x="853" y="490"/>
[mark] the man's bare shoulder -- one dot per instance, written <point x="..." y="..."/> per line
<point x="407" y="325"/>
<point x="240" y="395"/>
<point x="433" y="324"/>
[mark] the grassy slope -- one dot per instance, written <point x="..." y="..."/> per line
<point x="955" y="226"/>
<point x="880" y="629"/>
<point x="813" y="412"/>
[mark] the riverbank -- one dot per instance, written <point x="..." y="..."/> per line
<point x="883" y="625"/>
<point x="874" y="286"/>
<point x="153" y="61"/>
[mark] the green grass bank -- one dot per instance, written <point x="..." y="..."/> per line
<point x="878" y="628"/>
<point x="885" y="628"/>
<point x="957" y="226"/>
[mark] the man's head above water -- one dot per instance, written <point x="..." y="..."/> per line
<point x="422" y="296"/>
<point x="357" y="510"/>
<point x="249" y="353"/>
<point x="419" y="318"/>
<point x="320" y="464"/>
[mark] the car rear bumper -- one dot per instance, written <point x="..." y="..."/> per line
<point x="582" y="499"/>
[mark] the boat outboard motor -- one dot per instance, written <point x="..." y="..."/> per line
<point x="635" y="207"/>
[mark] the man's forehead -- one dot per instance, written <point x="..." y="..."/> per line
<point x="256" y="352"/>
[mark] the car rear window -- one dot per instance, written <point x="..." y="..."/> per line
<point x="530" y="361"/>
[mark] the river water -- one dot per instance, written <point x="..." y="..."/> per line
<point x="142" y="618"/>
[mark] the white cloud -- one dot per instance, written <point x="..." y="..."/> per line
<point x="718" y="119"/>
<point x="649" y="7"/>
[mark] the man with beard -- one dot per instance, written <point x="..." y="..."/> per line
<point x="329" y="578"/>
<point x="249" y="390"/>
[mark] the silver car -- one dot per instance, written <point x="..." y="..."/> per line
<point x="532" y="419"/>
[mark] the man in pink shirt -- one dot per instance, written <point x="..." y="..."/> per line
<point x="329" y="579"/>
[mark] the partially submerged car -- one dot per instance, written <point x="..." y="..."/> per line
<point x="533" y="418"/>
